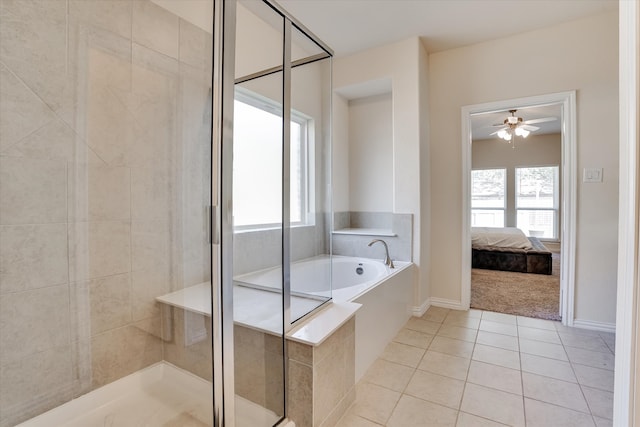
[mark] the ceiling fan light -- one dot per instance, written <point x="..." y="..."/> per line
<point x="502" y="133"/>
<point x="525" y="133"/>
<point x="507" y="136"/>
<point x="520" y="131"/>
<point x="512" y="120"/>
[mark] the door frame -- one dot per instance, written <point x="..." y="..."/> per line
<point x="567" y="101"/>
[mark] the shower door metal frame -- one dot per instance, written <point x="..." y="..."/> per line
<point x="221" y="226"/>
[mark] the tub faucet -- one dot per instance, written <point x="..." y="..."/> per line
<point x="387" y="260"/>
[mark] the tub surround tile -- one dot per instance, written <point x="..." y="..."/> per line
<point x="32" y="256"/>
<point x="146" y="285"/>
<point x="194" y="45"/>
<point x="112" y="16"/>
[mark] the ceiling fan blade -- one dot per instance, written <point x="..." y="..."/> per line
<point x="542" y="120"/>
<point x="497" y="124"/>
<point x="495" y="132"/>
<point x="530" y="128"/>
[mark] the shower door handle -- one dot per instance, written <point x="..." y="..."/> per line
<point x="213" y="224"/>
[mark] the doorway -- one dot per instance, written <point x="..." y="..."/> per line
<point x="565" y="101"/>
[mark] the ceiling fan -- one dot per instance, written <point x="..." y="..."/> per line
<point x="515" y="126"/>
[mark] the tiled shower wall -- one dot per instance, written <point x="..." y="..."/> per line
<point x="104" y="174"/>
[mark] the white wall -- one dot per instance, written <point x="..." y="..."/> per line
<point x="401" y="63"/>
<point x="371" y="154"/>
<point x="580" y="55"/>
<point x="536" y="150"/>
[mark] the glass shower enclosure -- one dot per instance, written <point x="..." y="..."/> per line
<point x="156" y="158"/>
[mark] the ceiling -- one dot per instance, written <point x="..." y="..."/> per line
<point x="482" y="124"/>
<point x="349" y="26"/>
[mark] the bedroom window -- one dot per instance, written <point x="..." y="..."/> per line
<point x="488" y="197"/>
<point x="537" y="201"/>
<point x="258" y="142"/>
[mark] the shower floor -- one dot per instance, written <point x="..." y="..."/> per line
<point x="161" y="395"/>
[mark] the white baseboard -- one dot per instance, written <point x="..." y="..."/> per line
<point x="445" y="303"/>
<point x="594" y="326"/>
<point x="418" y="311"/>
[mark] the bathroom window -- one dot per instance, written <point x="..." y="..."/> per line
<point x="537" y="201"/>
<point x="488" y="200"/>
<point x="257" y="163"/>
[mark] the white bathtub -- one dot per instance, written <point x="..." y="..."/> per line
<point x="386" y="295"/>
<point x="349" y="276"/>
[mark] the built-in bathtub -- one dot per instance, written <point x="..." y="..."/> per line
<point x="385" y="294"/>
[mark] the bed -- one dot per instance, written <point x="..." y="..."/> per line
<point x="508" y="249"/>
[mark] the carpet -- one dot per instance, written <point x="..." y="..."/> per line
<point x="523" y="294"/>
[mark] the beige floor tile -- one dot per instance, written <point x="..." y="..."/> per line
<point x="595" y="359"/>
<point x="436" y="388"/>
<point x="544" y="366"/>
<point x="494" y="376"/>
<point x="600" y="402"/>
<point x="452" y="347"/>
<point x="601" y="379"/>
<point x="424" y="326"/>
<point x="457" y="332"/>
<point x="463" y="321"/>
<point x="468" y="420"/>
<point x="403" y="354"/>
<point x="496" y="356"/>
<point x="544" y="349"/>
<point x="498" y="340"/>
<point x="557" y="392"/>
<point x="435" y="314"/>
<point x="388" y="374"/>
<point x="509" y="319"/>
<point x="416" y="412"/>
<point x="374" y="403"/>
<point x="593" y="343"/>
<point x="536" y="323"/>
<point x="540" y="414"/>
<point x="445" y="364"/>
<point x="499" y="328"/>
<point x="539" y="335"/>
<point x="493" y="404"/>
<point x="414" y="338"/>
<point x="351" y="420"/>
<point x="573" y="330"/>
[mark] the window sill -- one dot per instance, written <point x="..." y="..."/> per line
<point x="366" y="232"/>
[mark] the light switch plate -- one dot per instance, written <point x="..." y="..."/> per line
<point x="592" y="175"/>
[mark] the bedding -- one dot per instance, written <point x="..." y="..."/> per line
<point x="518" y="256"/>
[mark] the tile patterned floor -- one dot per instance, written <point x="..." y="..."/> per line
<point x="478" y="368"/>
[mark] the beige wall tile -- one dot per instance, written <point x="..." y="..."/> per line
<point x="108" y="300"/>
<point x="328" y="384"/>
<point x="32" y="256"/>
<point x="35" y="383"/>
<point x="183" y="352"/>
<point x="98" y="249"/>
<point x="120" y="352"/>
<point x="42" y="315"/>
<point x="195" y="44"/>
<point x="114" y="16"/>
<point x="150" y="244"/>
<point x="40" y="25"/>
<point x="32" y="191"/>
<point x="155" y="28"/>
<point x="151" y="192"/>
<point x="300" y="396"/>
<point x="21" y="112"/>
<point x="146" y="285"/>
<point x="99" y="193"/>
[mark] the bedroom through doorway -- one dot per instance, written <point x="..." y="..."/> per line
<point x="515" y="209"/>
